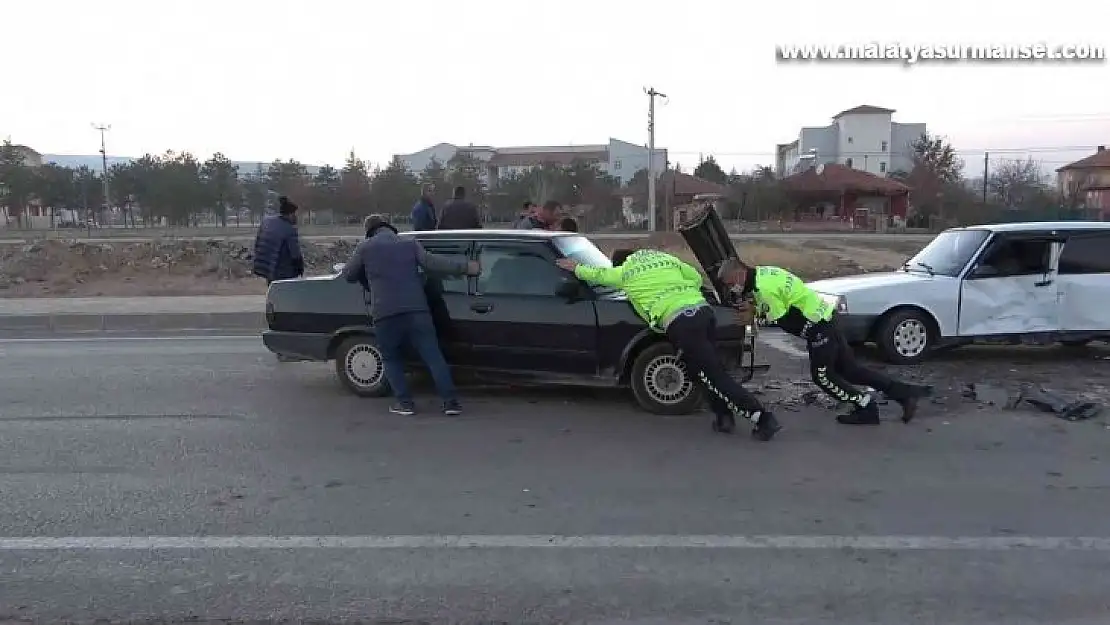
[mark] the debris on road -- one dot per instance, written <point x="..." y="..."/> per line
<point x="992" y="395"/>
<point x="1035" y="396"/>
<point x="1048" y="401"/>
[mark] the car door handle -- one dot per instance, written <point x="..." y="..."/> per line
<point x="481" y="308"/>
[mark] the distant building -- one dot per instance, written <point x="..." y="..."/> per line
<point x="619" y="159"/>
<point x="863" y="138"/>
<point x="1088" y="180"/>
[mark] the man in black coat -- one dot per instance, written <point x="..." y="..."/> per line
<point x="277" y="247"/>
<point x="460" y="213"/>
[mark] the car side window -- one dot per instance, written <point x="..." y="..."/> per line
<point x="1086" y="254"/>
<point x="1015" y="257"/>
<point x="522" y="269"/>
<point x="454" y="249"/>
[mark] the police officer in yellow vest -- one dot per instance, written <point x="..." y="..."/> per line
<point x="783" y="298"/>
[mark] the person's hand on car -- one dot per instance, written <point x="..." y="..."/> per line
<point x="567" y="263"/>
<point x="473" y="268"/>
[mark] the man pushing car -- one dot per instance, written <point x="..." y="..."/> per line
<point x="783" y="298"/>
<point x="666" y="293"/>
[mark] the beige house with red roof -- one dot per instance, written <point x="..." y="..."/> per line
<point x="1088" y="181"/>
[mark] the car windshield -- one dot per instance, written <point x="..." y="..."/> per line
<point x="582" y="250"/>
<point x="947" y="254"/>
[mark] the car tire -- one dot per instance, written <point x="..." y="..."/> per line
<point x="660" y="383"/>
<point x="360" y="367"/>
<point x="905" y="337"/>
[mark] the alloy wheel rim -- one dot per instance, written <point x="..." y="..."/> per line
<point x="666" y="380"/>
<point x="364" y="365"/>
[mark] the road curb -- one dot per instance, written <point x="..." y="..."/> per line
<point x="82" y="323"/>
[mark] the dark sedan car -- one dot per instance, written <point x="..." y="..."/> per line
<point x="523" y="319"/>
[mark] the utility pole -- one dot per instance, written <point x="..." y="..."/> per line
<point x="652" y="94"/>
<point x="103" y="128"/>
<point x="986" y="174"/>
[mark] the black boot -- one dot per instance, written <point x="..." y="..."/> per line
<point x="862" y="415"/>
<point x="907" y="396"/>
<point x="766" y="426"/>
<point x="724" y="424"/>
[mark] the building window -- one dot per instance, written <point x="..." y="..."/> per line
<point x="617" y="164"/>
<point x="848" y="163"/>
<point x="885" y="146"/>
<point x="882" y="167"/>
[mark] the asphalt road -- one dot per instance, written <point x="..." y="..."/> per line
<point x="162" y="479"/>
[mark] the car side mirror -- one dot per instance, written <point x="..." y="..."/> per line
<point x="338" y="267"/>
<point x="568" y="288"/>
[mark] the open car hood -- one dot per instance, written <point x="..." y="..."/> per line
<point x="707" y="238"/>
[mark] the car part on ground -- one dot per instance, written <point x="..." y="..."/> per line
<point x="1037" y="397"/>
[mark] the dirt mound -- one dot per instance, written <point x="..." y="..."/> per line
<point x="59" y="268"/>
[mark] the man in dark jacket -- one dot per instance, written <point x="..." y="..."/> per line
<point x="424" y="211"/>
<point x="277" y="248"/>
<point x="459" y="213"/>
<point x="392" y="267"/>
<point x="542" y="217"/>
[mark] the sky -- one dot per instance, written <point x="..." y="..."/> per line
<point x="259" y="80"/>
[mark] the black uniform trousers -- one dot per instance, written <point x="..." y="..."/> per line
<point x="835" y="370"/>
<point x="694" y="332"/>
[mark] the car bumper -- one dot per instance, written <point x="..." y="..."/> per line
<point x="855" y="328"/>
<point x="297" y="344"/>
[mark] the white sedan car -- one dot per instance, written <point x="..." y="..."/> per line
<point x="1019" y="282"/>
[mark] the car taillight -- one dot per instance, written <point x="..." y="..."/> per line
<point x="270" y="315"/>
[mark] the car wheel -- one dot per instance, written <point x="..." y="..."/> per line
<point x="359" y="365"/>
<point x="661" y="384"/>
<point x="905" y="337"/>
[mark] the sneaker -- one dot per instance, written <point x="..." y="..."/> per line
<point x="909" y="401"/>
<point x="766" y="426"/>
<point x="405" y="408"/>
<point x="862" y="415"/>
<point x="724" y="424"/>
<point x="452" y="408"/>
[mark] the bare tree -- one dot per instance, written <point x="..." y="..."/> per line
<point x="1016" y="183"/>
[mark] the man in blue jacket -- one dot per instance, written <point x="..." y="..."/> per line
<point x="392" y="267"/>
<point x="424" y="211"/>
<point x="277" y="248"/>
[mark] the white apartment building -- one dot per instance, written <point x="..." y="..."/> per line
<point x="619" y="159"/>
<point x="864" y="138"/>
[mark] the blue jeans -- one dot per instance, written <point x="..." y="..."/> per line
<point x="417" y="330"/>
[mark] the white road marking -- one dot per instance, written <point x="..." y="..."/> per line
<point x="783" y="342"/>
<point x="782" y="542"/>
